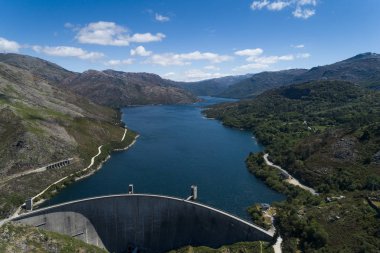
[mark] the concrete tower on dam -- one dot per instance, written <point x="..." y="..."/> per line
<point x="151" y="223"/>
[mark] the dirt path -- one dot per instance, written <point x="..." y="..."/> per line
<point x="291" y="179"/>
<point x="27" y="172"/>
<point x="125" y="132"/>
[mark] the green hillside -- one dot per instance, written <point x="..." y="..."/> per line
<point x="326" y="134"/>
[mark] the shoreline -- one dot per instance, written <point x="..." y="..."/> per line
<point x="76" y="178"/>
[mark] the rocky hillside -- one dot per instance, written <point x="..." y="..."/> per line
<point x="110" y="88"/>
<point x="17" y="238"/>
<point x="38" y="67"/>
<point x="41" y="124"/>
<point x="118" y="89"/>
<point x="363" y="69"/>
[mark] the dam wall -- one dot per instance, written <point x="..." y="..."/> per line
<point x="150" y="223"/>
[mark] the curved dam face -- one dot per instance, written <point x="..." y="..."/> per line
<point x="151" y="223"/>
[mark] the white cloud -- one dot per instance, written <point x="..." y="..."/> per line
<point x="212" y="67"/>
<point x="250" y="67"/>
<point x="146" y="37"/>
<point x="265" y="60"/>
<point x="301" y="8"/>
<point x="299" y="46"/>
<point x="306" y="2"/>
<point x="250" y="52"/>
<point x="63" y="51"/>
<point x="277" y="6"/>
<point x="186" y="58"/>
<point x="161" y="18"/>
<point x="169" y="74"/>
<point x="111" y="34"/>
<point x="258" y="5"/>
<point x="9" y="45"/>
<point x="140" y="51"/>
<point x="118" y="62"/>
<point x="303" y="56"/>
<point x="166" y="59"/>
<point x="197" y="75"/>
<point x="303" y="13"/>
<point x="212" y="57"/>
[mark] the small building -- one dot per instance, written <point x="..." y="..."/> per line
<point x="264" y="206"/>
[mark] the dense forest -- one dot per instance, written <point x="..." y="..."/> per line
<point x="327" y="135"/>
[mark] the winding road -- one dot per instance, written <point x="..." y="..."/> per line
<point x="291" y="179"/>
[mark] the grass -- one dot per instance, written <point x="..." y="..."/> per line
<point x="242" y="247"/>
<point x="23" y="238"/>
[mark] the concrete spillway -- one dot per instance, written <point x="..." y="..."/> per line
<point x="151" y="223"/>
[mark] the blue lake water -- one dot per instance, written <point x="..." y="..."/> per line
<point x="179" y="147"/>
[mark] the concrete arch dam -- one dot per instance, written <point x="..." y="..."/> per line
<point x="150" y="223"/>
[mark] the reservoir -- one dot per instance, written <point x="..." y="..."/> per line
<point x="178" y="147"/>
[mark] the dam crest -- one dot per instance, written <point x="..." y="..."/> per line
<point x="149" y="223"/>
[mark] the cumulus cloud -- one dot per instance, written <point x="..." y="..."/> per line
<point x="63" y="51"/>
<point x="186" y="58"/>
<point x="304" y="13"/>
<point x="111" y="34"/>
<point x="264" y="62"/>
<point x="9" y="45"/>
<point x="249" y="52"/>
<point x="258" y="5"/>
<point x="299" y="46"/>
<point x="197" y="75"/>
<point x="146" y="37"/>
<point x="250" y="67"/>
<point x="301" y="8"/>
<point x="118" y="62"/>
<point x="161" y="18"/>
<point x="140" y="51"/>
<point x="277" y="6"/>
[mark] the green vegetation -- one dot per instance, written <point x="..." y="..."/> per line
<point x="243" y="247"/>
<point x="327" y="134"/>
<point x="16" y="238"/>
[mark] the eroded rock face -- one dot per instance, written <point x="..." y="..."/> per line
<point x="118" y="89"/>
<point x="376" y="158"/>
<point x="344" y="149"/>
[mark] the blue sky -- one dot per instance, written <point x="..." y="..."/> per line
<point x="190" y="40"/>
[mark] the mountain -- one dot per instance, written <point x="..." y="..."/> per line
<point x="38" y="67"/>
<point x="327" y="135"/>
<point x="40" y="123"/>
<point x="362" y="69"/>
<point x="260" y="82"/>
<point x="211" y="87"/>
<point x="110" y="88"/>
<point x="118" y="89"/>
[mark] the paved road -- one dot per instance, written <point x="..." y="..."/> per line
<point x="291" y="179"/>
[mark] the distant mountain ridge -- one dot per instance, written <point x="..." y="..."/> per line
<point x="108" y="87"/>
<point x="362" y="69"/>
<point x="211" y="87"/>
<point x="261" y="82"/>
